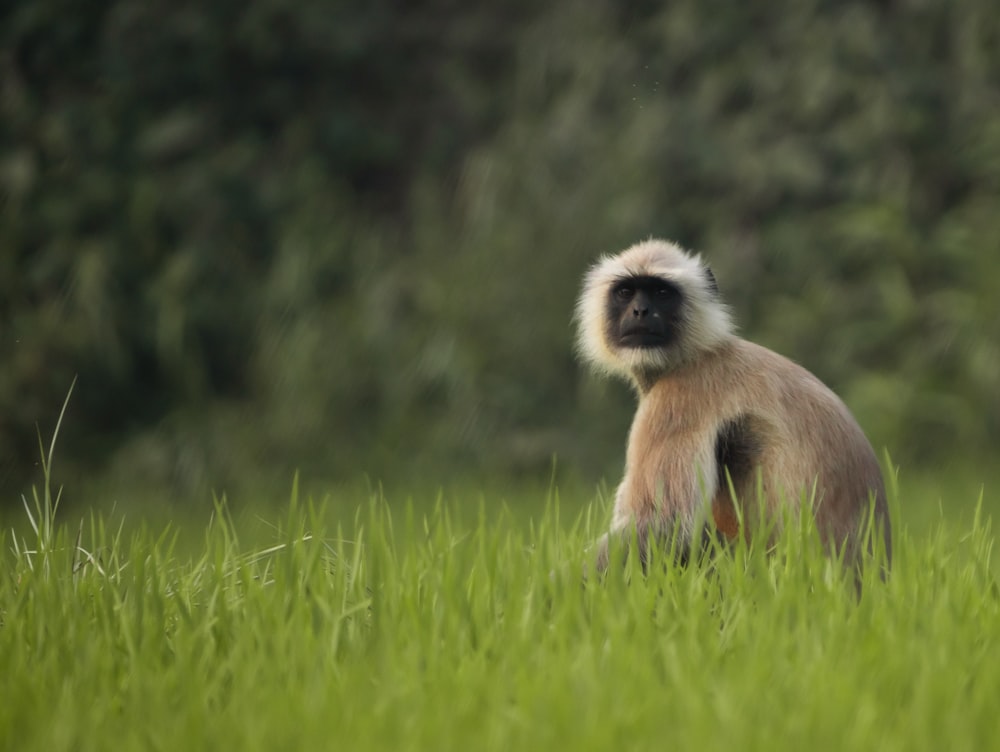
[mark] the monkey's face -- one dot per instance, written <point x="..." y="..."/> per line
<point x="649" y="310"/>
<point x="643" y="313"/>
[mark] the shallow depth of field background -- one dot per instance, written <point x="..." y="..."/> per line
<point x="345" y="239"/>
<point x="330" y="467"/>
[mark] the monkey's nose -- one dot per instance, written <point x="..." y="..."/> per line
<point x="640" y="312"/>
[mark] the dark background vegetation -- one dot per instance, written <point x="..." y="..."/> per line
<point x="346" y="237"/>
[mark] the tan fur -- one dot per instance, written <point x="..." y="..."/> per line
<point x="807" y="443"/>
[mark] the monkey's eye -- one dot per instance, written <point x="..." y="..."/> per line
<point x="624" y="291"/>
<point x="662" y="292"/>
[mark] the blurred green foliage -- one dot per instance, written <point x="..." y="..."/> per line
<point x="347" y="237"/>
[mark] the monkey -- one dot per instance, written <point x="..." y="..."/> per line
<point x="726" y="431"/>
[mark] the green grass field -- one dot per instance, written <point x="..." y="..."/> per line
<point x="457" y="626"/>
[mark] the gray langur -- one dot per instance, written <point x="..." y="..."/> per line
<point x="725" y="429"/>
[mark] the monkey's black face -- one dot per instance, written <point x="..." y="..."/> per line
<point x="643" y="312"/>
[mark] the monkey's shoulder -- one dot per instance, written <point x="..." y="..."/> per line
<point x="727" y="371"/>
<point x="741" y="379"/>
<point x="747" y="365"/>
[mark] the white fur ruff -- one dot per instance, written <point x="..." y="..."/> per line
<point x="706" y="320"/>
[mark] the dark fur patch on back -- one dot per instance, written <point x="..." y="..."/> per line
<point x="737" y="449"/>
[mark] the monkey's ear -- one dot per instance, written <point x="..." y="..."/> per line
<point x="713" y="285"/>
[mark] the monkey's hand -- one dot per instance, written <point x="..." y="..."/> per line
<point x="600" y="560"/>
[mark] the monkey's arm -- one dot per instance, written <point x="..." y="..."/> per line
<point x="665" y="495"/>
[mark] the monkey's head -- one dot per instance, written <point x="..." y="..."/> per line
<point x="649" y="310"/>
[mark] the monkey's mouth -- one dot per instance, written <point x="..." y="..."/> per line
<point x="643" y="338"/>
